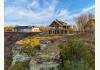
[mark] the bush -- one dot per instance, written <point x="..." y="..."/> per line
<point x="29" y="45"/>
<point x="71" y="31"/>
<point x="76" y="56"/>
<point x="8" y="28"/>
<point x="8" y="61"/>
<point x="19" y="66"/>
<point x="30" y="41"/>
<point x="30" y="50"/>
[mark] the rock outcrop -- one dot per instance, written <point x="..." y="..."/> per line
<point x="45" y="61"/>
<point x="47" y="58"/>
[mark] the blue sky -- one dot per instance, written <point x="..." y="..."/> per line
<point x="43" y="12"/>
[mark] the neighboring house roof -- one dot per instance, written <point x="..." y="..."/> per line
<point x="60" y="23"/>
<point x="22" y="27"/>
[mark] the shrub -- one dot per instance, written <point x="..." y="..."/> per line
<point x="71" y="31"/>
<point x="29" y="45"/>
<point x="8" y="61"/>
<point x="8" y="28"/>
<point x="30" y="50"/>
<point x="76" y="56"/>
<point x="31" y="41"/>
<point x="19" y="66"/>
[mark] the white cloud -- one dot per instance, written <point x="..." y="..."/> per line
<point x="63" y="13"/>
<point x="30" y="16"/>
<point x="34" y="4"/>
<point x="11" y="23"/>
<point x="44" y="15"/>
<point x="84" y="10"/>
<point x="88" y="9"/>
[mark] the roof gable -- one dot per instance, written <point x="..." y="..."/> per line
<point x="57" y="22"/>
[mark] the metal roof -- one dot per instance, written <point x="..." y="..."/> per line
<point x="23" y="27"/>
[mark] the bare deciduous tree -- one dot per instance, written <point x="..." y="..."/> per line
<point x="82" y="20"/>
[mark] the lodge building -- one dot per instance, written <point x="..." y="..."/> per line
<point x="58" y="27"/>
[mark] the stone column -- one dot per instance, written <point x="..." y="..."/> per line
<point x="60" y="31"/>
<point x="55" y="31"/>
<point x="50" y="31"/>
<point x="63" y="31"/>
